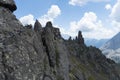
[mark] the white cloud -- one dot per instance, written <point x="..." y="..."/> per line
<point x="116" y="25"/>
<point x="29" y="19"/>
<point x="91" y="27"/>
<point x="87" y="23"/>
<point x="108" y="6"/>
<point x="52" y="13"/>
<point x="83" y="2"/>
<point x="115" y="14"/>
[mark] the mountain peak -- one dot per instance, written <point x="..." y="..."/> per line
<point x="112" y="48"/>
<point x="49" y="24"/>
<point x="37" y="26"/>
<point x="113" y="43"/>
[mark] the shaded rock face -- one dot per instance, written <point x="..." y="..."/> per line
<point x="42" y="54"/>
<point x="10" y="4"/>
<point x="80" y="38"/>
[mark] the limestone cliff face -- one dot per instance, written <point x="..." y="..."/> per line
<point x="42" y="54"/>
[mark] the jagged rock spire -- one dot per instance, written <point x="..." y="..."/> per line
<point x="70" y="38"/>
<point x="10" y="4"/>
<point x="80" y="38"/>
<point x="37" y="26"/>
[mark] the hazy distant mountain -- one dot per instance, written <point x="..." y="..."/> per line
<point x="112" y="48"/>
<point x="95" y="42"/>
<point x="113" y="43"/>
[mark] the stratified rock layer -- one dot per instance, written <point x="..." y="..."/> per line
<point x="42" y="54"/>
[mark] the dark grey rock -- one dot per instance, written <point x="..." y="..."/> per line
<point x="37" y="26"/>
<point x="56" y="51"/>
<point x="42" y="54"/>
<point x="80" y="38"/>
<point x="10" y="4"/>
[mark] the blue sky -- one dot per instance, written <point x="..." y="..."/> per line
<point x="98" y="19"/>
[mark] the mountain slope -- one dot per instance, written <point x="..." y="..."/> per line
<point x="112" y="48"/>
<point x="113" y="43"/>
<point x="42" y="54"/>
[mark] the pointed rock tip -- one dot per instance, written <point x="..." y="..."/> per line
<point x="10" y="4"/>
<point x="37" y="26"/>
<point x="37" y="23"/>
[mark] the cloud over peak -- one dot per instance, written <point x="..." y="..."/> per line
<point x="52" y="13"/>
<point x="91" y="27"/>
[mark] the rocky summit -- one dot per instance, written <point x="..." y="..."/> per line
<point x="42" y="54"/>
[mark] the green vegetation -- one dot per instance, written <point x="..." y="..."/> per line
<point x="77" y="64"/>
<point x="91" y="78"/>
<point x="72" y="77"/>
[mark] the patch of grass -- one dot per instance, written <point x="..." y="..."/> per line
<point x="103" y="75"/>
<point x="91" y="78"/>
<point x="72" y="77"/>
<point x="77" y="64"/>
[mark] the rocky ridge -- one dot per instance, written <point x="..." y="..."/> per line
<point x="42" y="54"/>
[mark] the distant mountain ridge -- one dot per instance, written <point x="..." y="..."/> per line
<point x="112" y="48"/>
<point x="95" y="42"/>
<point x="113" y="43"/>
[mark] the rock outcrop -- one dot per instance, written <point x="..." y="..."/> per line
<point x="42" y="54"/>
<point x="80" y="38"/>
<point x="10" y="4"/>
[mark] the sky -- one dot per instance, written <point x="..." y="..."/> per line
<point x="97" y="19"/>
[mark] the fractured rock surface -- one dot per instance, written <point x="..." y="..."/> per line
<point x="10" y="4"/>
<point x="42" y="54"/>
